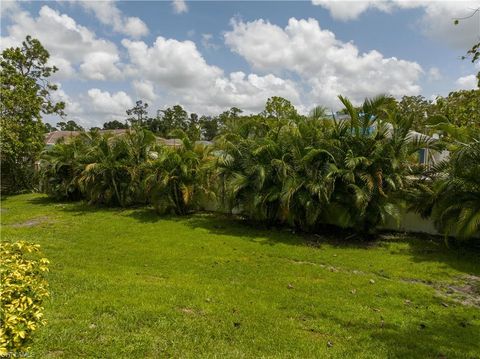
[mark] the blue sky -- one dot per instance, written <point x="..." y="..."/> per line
<point x="211" y="55"/>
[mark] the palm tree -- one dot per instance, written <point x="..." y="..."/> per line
<point x="309" y="171"/>
<point x="295" y="170"/>
<point x="456" y="193"/>
<point x="173" y="179"/>
<point x="374" y="156"/>
<point x="272" y="171"/>
<point x="112" y="173"/>
<point x="61" y="166"/>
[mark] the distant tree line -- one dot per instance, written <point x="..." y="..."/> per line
<point x="163" y="123"/>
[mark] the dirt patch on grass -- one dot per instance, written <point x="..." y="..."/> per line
<point x="32" y="222"/>
<point x="191" y="311"/>
<point x="464" y="290"/>
<point x="296" y="261"/>
<point x="55" y="354"/>
<point x="330" y="267"/>
<point x="152" y="278"/>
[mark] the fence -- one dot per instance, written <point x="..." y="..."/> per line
<point x="409" y="221"/>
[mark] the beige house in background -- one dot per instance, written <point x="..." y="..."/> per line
<point x="52" y="138"/>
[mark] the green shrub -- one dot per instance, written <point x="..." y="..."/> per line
<point x="309" y="172"/>
<point x="172" y="180"/>
<point x="456" y="193"/>
<point x="124" y="170"/>
<point x="22" y="292"/>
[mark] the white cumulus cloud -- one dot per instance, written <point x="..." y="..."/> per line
<point x="207" y="42"/>
<point x="70" y="44"/>
<point x="93" y="108"/>
<point x="181" y="72"/>
<point x="179" y="6"/>
<point x="176" y="64"/>
<point x="98" y="66"/>
<point x="352" y="9"/>
<point x="9" y="7"/>
<point x="436" y="21"/>
<point x="144" y="90"/>
<point x="73" y="109"/>
<point x="434" y="74"/>
<point x="326" y="65"/>
<point x="113" y="105"/>
<point x="248" y="92"/>
<point x="467" y="82"/>
<point x="107" y="12"/>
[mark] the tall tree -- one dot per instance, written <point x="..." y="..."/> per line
<point x="228" y="117"/>
<point x="25" y="96"/>
<point x="114" y="125"/>
<point x="209" y="127"/>
<point x="460" y="108"/>
<point x="193" y="129"/>
<point x="172" y="118"/>
<point x="417" y="107"/>
<point x="138" y="114"/>
<point x="50" y="128"/>
<point x="70" y="126"/>
<point x="278" y="107"/>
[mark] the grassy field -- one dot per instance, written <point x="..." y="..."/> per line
<point x="130" y="284"/>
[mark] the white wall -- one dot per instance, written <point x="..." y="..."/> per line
<point x="409" y="221"/>
<point x="412" y="222"/>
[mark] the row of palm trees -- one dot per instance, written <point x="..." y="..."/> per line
<point x="301" y="171"/>
<point x="124" y="170"/>
<point x="307" y="172"/>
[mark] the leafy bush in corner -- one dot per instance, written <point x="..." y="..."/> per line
<point x="22" y="292"/>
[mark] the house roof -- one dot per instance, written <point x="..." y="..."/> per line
<point x="171" y="142"/>
<point x="52" y="138"/>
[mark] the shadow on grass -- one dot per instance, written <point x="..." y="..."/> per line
<point x="76" y="208"/>
<point x="231" y="225"/>
<point x="421" y="247"/>
<point x="44" y="200"/>
<point x="140" y="213"/>
<point x="443" y="334"/>
<point x="149" y="215"/>
<point x="463" y="257"/>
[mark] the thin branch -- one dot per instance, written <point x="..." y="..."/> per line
<point x="475" y="11"/>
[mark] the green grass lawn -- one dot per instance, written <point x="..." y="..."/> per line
<point x="130" y="284"/>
